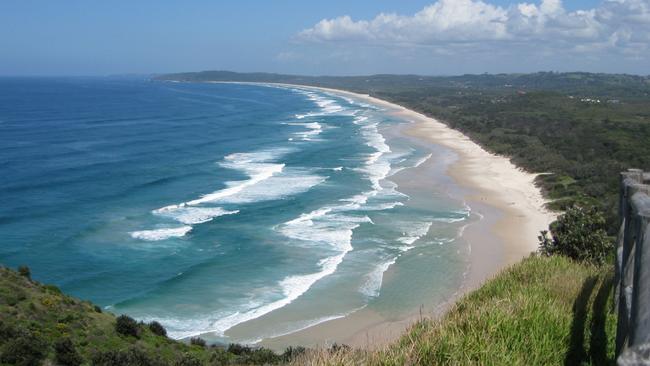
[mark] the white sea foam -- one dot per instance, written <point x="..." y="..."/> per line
<point x="291" y="182"/>
<point x="291" y="287"/>
<point x="278" y="181"/>
<point x="330" y="227"/>
<point x="461" y="215"/>
<point x="161" y="234"/>
<point x="327" y="105"/>
<point x="422" y="161"/>
<point x="192" y="215"/>
<point x="294" y="327"/>
<point x="419" y="162"/>
<point x="313" y="130"/>
<point x="412" y="234"/>
<point x="372" y="284"/>
<point x="257" y="166"/>
<point x="414" y="231"/>
<point x="384" y="206"/>
<point x="260" y="166"/>
<point x="377" y="166"/>
<point x="450" y="220"/>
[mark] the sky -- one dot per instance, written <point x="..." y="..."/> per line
<point x="334" y="37"/>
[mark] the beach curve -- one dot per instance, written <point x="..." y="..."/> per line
<point x="510" y="204"/>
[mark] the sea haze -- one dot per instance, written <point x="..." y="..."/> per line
<point x="207" y="206"/>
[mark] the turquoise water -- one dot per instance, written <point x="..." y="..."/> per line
<point x="207" y="206"/>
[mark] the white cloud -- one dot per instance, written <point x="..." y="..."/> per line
<point x="615" y="25"/>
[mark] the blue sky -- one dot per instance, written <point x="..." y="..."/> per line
<point x="48" y="37"/>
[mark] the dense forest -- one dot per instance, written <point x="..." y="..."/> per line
<point x="579" y="129"/>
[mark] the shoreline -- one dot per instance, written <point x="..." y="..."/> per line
<point x="509" y="204"/>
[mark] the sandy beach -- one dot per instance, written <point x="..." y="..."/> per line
<point x="491" y="181"/>
<point x="507" y="206"/>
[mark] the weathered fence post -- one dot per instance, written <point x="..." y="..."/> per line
<point x="632" y="273"/>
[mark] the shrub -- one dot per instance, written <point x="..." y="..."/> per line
<point x="12" y="299"/>
<point x="68" y="318"/>
<point x="66" y="354"/>
<point x="339" y="348"/>
<point x="129" y="357"/>
<point x="220" y="357"/>
<point x="197" y="341"/>
<point x="260" y="356"/>
<point x="49" y="301"/>
<point x="238" y="349"/>
<point x="53" y="289"/>
<point x="187" y="360"/>
<point x="580" y="233"/>
<point x="98" y="309"/>
<point x="26" y="349"/>
<point x="62" y="327"/>
<point x="157" y="329"/>
<point x="248" y="355"/>
<point x="293" y="352"/>
<point x="7" y="331"/>
<point x="127" y="326"/>
<point x="25" y="272"/>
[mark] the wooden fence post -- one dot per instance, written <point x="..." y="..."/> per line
<point x="632" y="270"/>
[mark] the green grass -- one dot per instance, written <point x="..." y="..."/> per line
<point x="542" y="311"/>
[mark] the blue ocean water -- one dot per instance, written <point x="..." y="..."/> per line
<point x="206" y="206"/>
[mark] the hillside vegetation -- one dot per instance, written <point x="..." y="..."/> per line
<point x="39" y="324"/>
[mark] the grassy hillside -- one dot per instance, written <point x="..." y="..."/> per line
<point x="40" y="324"/>
<point x="542" y="311"/>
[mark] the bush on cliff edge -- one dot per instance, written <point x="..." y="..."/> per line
<point x="580" y="234"/>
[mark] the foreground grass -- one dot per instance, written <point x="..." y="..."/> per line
<point x="542" y="311"/>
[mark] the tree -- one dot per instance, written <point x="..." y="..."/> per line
<point x="580" y="233"/>
<point x="66" y="353"/>
<point x="25" y="349"/>
<point x="126" y="325"/>
<point x="197" y="341"/>
<point x="157" y="329"/>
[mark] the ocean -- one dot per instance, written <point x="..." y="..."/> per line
<point x="228" y="211"/>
